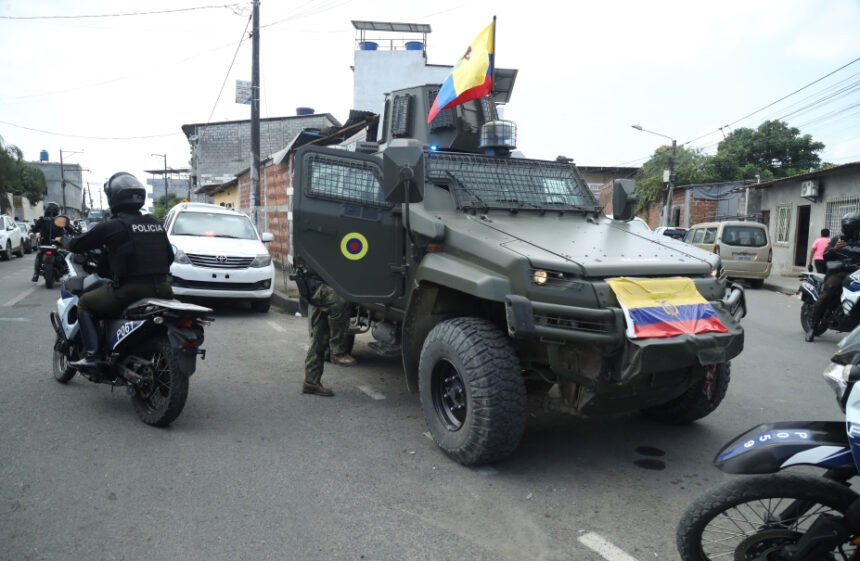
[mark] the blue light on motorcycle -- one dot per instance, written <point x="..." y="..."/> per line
<point x="158" y="320"/>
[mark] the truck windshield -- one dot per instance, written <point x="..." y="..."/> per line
<point x="485" y="182"/>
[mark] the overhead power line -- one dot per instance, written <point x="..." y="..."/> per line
<point x="90" y="137"/>
<point x="769" y="105"/>
<point x="227" y="75"/>
<point x="126" y="14"/>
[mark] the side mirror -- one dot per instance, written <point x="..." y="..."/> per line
<point x="267" y="237"/>
<point x="403" y="171"/>
<point x="623" y="199"/>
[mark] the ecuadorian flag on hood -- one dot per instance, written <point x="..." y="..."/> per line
<point x="656" y="308"/>
<point x="471" y="78"/>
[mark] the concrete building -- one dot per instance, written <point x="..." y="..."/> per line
<point x="797" y="208"/>
<point x="178" y="184"/>
<point x="72" y="196"/>
<point x="221" y="150"/>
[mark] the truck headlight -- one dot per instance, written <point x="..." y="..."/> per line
<point x="539" y="277"/>
<point x="180" y="257"/>
<point x="263" y="260"/>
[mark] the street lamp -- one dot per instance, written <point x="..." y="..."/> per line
<point x="670" y="185"/>
<point x="165" y="178"/>
<point x="63" y="174"/>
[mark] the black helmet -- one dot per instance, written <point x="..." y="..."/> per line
<point x="52" y="210"/>
<point x="851" y="225"/>
<point x="125" y="193"/>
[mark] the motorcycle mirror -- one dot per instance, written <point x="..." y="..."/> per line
<point x="854" y="374"/>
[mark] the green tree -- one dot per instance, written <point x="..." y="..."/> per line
<point x="691" y="166"/>
<point x="18" y="178"/>
<point x="773" y="150"/>
<point x="160" y="208"/>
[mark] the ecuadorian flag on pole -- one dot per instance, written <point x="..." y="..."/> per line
<point x="656" y="308"/>
<point x="472" y="77"/>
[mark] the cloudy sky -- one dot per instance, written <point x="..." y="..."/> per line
<point x="119" y="88"/>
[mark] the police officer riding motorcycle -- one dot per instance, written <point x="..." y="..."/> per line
<point x="841" y="258"/>
<point x="47" y="231"/>
<point x="137" y="260"/>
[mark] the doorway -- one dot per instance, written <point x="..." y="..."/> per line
<point x="801" y="249"/>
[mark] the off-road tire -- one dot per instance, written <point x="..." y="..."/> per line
<point x="6" y="254"/>
<point x="806" y="318"/>
<point x="709" y="506"/>
<point x="63" y="373"/>
<point x="698" y="401"/>
<point x="261" y="306"/>
<point x="491" y="387"/>
<point x="160" y="407"/>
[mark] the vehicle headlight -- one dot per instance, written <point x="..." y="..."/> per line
<point x="263" y="260"/>
<point x="180" y="257"/>
<point x="539" y="277"/>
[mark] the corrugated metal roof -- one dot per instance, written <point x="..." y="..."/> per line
<point x="805" y="176"/>
<point x="391" y="26"/>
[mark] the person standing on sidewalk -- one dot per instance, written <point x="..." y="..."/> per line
<point x="816" y="253"/>
<point x="329" y="331"/>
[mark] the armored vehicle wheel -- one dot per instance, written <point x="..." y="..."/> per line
<point x="472" y="391"/>
<point x="698" y="401"/>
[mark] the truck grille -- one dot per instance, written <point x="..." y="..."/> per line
<point x="219" y="261"/>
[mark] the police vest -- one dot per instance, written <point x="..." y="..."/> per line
<point x="146" y="253"/>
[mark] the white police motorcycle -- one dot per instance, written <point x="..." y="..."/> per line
<point x="844" y="317"/>
<point x="151" y="349"/>
<point x="779" y="516"/>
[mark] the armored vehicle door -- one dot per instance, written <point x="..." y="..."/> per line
<point x="343" y="229"/>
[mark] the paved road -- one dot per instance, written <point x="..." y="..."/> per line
<point x="254" y="470"/>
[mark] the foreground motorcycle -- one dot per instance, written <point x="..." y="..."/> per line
<point x="151" y="349"/>
<point x="786" y="516"/>
<point x="843" y="317"/>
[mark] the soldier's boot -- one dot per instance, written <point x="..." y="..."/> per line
<point x="343" y="359"/>
<point x="316" y="389"/>
<point x="93" y="361"/>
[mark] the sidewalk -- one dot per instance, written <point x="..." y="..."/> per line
<point x="786" y="284"/>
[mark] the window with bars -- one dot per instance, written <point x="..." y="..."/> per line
<point x="344" y="181"/>
<point x="783" y="221"/>
<point x="835" y="209"/>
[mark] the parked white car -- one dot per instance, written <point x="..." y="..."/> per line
<point x="219" y="254"/>
<point x="10" y="238"/>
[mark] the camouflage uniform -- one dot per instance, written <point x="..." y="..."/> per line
<point x="329" y="329"/>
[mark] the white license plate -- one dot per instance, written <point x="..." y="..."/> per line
<point x="745" y="257"/>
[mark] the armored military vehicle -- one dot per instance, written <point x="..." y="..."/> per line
<point x="487" y="272"/>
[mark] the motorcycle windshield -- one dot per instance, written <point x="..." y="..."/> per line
<point x="848" y="349"/>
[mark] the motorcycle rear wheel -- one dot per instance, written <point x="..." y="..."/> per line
<point x="159" y="400"/>
<point x="63" y="373"/>
<point x="747" y="518"/>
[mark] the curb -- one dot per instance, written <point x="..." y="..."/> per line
<point x="288" y="304"/>
<point x="781" y="289"/>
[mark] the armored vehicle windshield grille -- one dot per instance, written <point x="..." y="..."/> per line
<point x="342" y="180"/>
<point x="400" y="116"/>
<point x="484" y="182"/>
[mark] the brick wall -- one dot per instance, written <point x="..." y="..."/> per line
<point x="275" y="180"/>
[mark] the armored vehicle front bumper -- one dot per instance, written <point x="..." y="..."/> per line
<point x="604" y="328"/>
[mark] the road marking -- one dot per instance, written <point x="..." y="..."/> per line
<point x="15" y="319"/>
<point x="276" y="327"/>
<point x="602" y="547"/>
<point x="20" y="297"/>
<point x="371" y="392"/>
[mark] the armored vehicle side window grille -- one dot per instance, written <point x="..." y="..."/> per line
<point x="445" y="118"/>
<point x="511" y="183"/>
<point x="341" y="180"/>
<point x="400" y="116"/>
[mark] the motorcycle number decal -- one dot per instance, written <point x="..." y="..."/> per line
<point x="354" y="246"/>
<point x="124" y="331"/>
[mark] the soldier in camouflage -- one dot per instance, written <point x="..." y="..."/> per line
<point x="329" y="330"/>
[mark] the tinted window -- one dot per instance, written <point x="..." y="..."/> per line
<point x="213" y="225"/>
<point x="744" y="236"/>
<point x="710" y="235"/>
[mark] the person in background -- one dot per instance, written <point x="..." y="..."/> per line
<point x="46" y="231"/>
<point x="816" y="253"/>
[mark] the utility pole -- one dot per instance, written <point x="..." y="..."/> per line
<point x="255" y="113"/>
<point x="165" y="179"/>
<point x="63" y="177"/>
<point x="670" y="180"/>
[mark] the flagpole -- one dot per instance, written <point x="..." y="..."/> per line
<point x="493" y="70"/>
